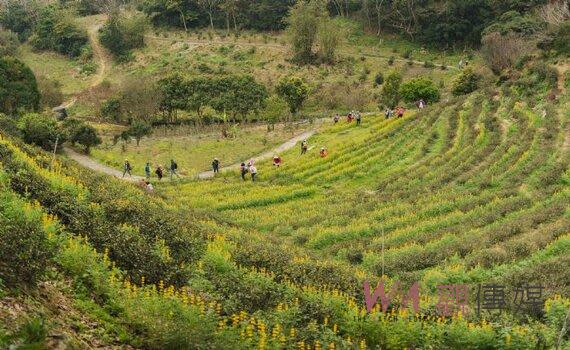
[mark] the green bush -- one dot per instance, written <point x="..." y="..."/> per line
<point x="466" y="82"/>
<point x="557" y="42"/>
<point x="9" y="126"/>
<point x="141" y="236"/>
<point x="419" y="88"/>
<point x="8" y="43"/>
<point x="18" y="17"/>
<point x="81" y="133"/>
<point x="41" y="131"/>
<point x="514" y="22"/>
<point x="294" y="91"/>
<point x="18" y="87"/>
<point x="121" y="34"/>
<point x="379" y="79"/>
<point x="24" y="244"/>
<point x="111" y="109"/>
<point x="57" y="31"/>
<point x="390" y="91"/>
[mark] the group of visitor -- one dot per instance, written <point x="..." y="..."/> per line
<point x="248" y="168"/>
<point x="350" y="117"/>
<point x="398" y="111"/>
<point x="159" y="170"/>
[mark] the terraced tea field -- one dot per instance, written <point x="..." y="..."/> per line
<point x="469" y="190"/>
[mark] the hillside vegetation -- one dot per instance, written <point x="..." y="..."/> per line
<point x="466" y="192"/>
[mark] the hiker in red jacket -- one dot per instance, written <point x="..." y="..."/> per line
<point x="276" y="161"/>
<point x="400" y="112"/>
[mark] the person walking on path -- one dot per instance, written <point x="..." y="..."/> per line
<point x="147" y="170"/>
<point x="253" y="171"/>
<point x="358" y="118"/>
<point x="127" y="168"/>
<point x="173" y="169"/>
<point x="159" y="172"/>
<point x="336" y="118"/>
<point x="304" y="146"/>
<point x="243" y="170"/>
<point x="216" y="165"/>
<point x="323" y="153"/>
<point x="389" y="113"/>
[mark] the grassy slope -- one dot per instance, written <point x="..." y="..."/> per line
<point x="193" y="151"/>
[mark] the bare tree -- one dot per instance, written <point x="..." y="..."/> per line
<point x="339" y="6"/>
<point x="405" y="10"/>
<point x="230" y="7"/>
<point x="178" y="6"/>
<point x="210" y="7"/>
<point x="502" y="51"/>
<point x="555" y="12"/>
<point x="378" y="4"/>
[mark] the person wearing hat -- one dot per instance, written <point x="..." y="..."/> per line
<point x="216" y="165"/>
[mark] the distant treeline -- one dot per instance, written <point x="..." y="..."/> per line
<point x="233" y="14"/>
<point x="432" y="22"/>
<point x="443" y="23"/>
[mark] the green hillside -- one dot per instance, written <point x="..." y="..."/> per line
<point x="445" y="227"/>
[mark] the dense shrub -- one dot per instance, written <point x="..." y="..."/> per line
<point x="111" y="109"/>
<point x="85" y="7"/>
<point x="81" y="133"/>
<point x="391" y="89"/>
<point x="121" y="34"/>
<point x="538" y="77"/>
<point x="419" y="88"/>
<point x="8" y="43"/>
<point x="466" y="82"/>
<point x="8" y="125"/>
<point x="379" y="79"/>
<point x="557" y="41"/>
<point x="141" y="236"/>
<point x="41" y="131"/>
<point x="50" y="91"/>
<point x="294" y="91"/>
<point x="24" y="244"/>
<point x="18" y="87"/>
<point x="514" y="22"/>
<point x="19" y="17"/>
<point x="57" y="31"/>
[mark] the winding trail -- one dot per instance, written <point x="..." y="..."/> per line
<point x="90" y="163"/>
<point x="102" y="58"/>
<point x="94" y="165"/>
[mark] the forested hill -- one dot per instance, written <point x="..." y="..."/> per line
<point x="445" y="23"/>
